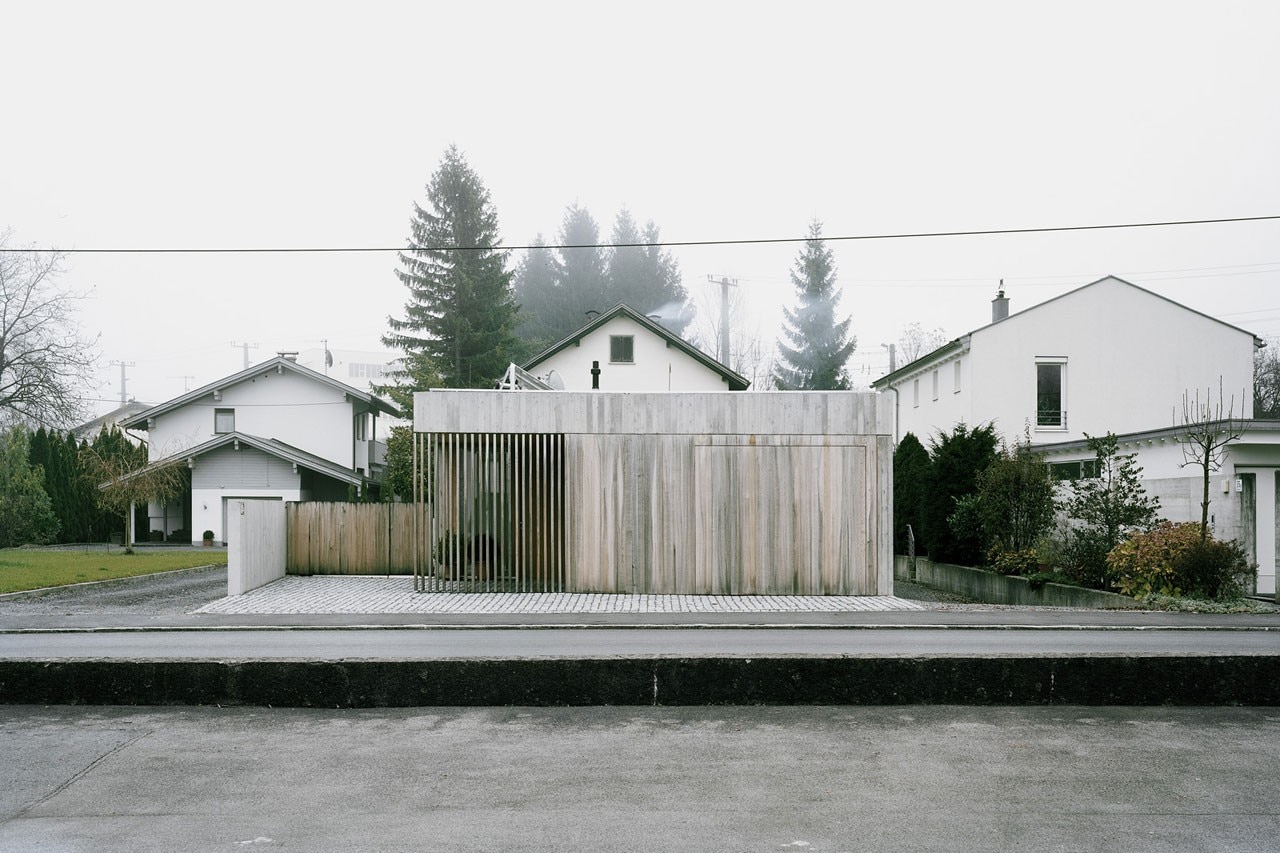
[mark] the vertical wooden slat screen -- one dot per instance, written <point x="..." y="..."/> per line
<point x="492" y="512"/>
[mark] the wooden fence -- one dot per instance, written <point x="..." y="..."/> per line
<point x="349" y="538"/>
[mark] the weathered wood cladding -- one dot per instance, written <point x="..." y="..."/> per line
<point x="661" y="493"/>
<point x="349" y="538"/>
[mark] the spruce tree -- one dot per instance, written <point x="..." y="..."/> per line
<point x="537" y="287"/>
<point x="457" y="327"/>
<point x="817" y="347"/>
<point x="645" y="277"/>
<point x="582" y="271"/>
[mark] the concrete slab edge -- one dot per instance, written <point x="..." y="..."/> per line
<point x="1112" y="680"/>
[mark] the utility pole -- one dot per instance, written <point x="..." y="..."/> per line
<point x="186" y="381"/>
<point x="725" y="283"/>
<point x="124" y="380"/>
<point x="246" y="348"/>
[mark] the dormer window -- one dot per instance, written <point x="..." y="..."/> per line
<point x="622" y="349"/>
<point x="224" y="420"/>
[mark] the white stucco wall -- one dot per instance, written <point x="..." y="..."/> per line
<point x="1129" y="355"/>
<point x="282" y="405"/>
<point x="208" y="507"/>
<point x="656" y="367"/>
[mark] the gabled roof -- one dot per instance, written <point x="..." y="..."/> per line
<point x="947" y="348"/>
<point x="272" y="447"/>
<point x="736" y="381"/>
<point x="279" y="363"/>
<point x="115" y="416"/>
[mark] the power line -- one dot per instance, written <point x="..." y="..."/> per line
<point x="659" y="244"/>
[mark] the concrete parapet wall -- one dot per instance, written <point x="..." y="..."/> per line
<point x="256" y="544"/>
<point x="989" y="587"/>
<point x="1088" y="680"/>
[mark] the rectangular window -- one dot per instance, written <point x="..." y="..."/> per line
<point x="955" y="384"/>
<point x="1086" y="469"/>
<point x="1051" y="410"/>
<point x="622" y="349"/>
<point x="915" y="393"/>
<point x="935" y="384"/>
<point x="224" y="420"/>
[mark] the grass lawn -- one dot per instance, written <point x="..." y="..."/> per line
<point x="31" y="569"/>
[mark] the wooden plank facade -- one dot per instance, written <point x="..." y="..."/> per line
<point x="349" y="538"/>
<point x="747" y="493"/>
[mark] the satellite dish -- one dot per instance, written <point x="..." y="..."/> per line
<point x="553" y="379"/>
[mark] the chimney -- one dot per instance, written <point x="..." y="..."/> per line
<point x="999" y="305"/>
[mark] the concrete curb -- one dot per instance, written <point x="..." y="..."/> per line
<point x="1113" y="680"/>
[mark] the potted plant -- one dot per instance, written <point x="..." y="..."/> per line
<point x="208" y="538"/>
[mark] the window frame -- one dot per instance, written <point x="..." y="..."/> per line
<point x="218" y="415"/>
<point x="615" y="341"/>
<point x="1060" y="423"/>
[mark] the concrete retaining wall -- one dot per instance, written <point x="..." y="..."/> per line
<point x="256" y="544"/>
<point x="989" y="587"/>
<point x="1149" y="680"/>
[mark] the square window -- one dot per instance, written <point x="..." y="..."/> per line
<point x="224" y="420"/>
<point x="622" y="349"/>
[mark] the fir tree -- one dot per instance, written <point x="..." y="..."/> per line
<point x="537" y="286"/>
<point x="582" y="271"/>
<point x="645" y="277"/>
<point x="818" y="347"/>
<point x="457" y="328"/>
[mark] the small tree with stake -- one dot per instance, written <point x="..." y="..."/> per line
<point x="1207" y="429"/>
<point x="123" y="481"/>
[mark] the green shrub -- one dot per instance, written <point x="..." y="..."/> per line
<point x="1215" y="570"/>
<point x="1082" y="556"/>
<point x="1171" y="560"/>
<point x="1023" y="561"/>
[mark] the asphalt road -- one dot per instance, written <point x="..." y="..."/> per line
<point x="519" y="644"/>
<point x="165" y="594"/>
<point x="813" y="779"/>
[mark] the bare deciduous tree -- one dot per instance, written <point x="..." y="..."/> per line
<point x="750" y="352"/>
<point x="1207" y="429"/>
<point x="916" y="341"/>
<point x="45" y="361"/>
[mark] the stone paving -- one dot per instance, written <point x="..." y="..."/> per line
<point x="330" y="594"/>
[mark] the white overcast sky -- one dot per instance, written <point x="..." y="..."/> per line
<point x="273" y="124"/>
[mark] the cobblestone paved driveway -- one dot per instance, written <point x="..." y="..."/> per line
<point x="329" y="594"/>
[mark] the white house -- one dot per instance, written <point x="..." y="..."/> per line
<point x="623" y="350"/>
<point x="275" y="431"/>
<point x="1108" y="357"/>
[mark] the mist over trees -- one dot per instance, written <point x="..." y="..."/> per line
<point x="814" y="347"/>
<point x="458" y="326"/>
<point x="557" y="287"/>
